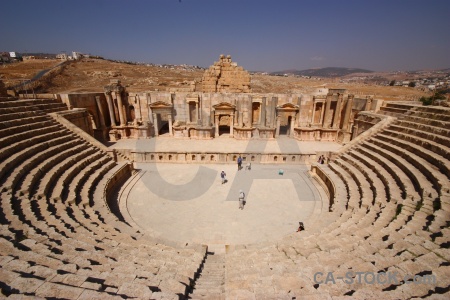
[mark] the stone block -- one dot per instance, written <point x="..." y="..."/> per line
<point x="135" y="290"/>
<point x="49" y="289"/>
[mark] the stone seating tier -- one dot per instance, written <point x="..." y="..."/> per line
<point x="57" y="249"/>
<point x="27" y="102"/>
<point x="437" y="139"/>
<point x="22" y="121"/>
<point x="392" y="190"/>
<point x="376" y="185"/>
<point x="72" y="246"/>
<point x="426" y="121"/>
<point x="422" y="166"/>
<point x="17" y="157"/>
<point x="402" y="238"/>
<point x="430" y="151"/>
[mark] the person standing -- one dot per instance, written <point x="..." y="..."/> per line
<point x="241" y="199"/>
<point x="239" y="162"/>
<point x="222" y="175"/>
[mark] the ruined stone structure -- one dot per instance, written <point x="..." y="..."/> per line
<point x="386" y="197"/>
<point x="226" y="76"/>
<point x="225" y="107"/>
<point x="62" y="233"/>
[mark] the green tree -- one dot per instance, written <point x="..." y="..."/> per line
<point x="437" y="95"/>
<point x="426" y="100"/>
<point x="392" y="83"/>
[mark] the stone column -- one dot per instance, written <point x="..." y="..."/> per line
<point x="169" y="117"/>
<point x="337" y="112"/>
<point x="138" y="110"/>
<point x="245" y="118"/>
<point x="327" y="117"/>
<point x="274" y="111"/>
<point x="348" y="111"/>
<point x="241" y="119"/>
<point x="250" y="111"/>
<point x="100" y="110"/>
<point x="197" y="111"/>
<point x="262" y="121"/>
<point x="313" y="111"/>
<point x="291" y="128"/>
<point x="297" y="119"/>
<point x="120" y="107"/>
<point x="216" y="124"/>
<point x="110" y="108"/>
<point x="322" y="113"/>
<point x="232" y="126"/>
<point x="355" y="131"/>
<point x="278" y="122"/>
<point x="155" y="123"/>
<point x="150" y="115"/>
<point x="368" y="103"/>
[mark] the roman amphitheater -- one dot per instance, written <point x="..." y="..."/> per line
<point x="118" y="194"/>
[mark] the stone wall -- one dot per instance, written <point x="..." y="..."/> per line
<point x="87" y="101"/>
<point x="312" y="117"/>
<point x="330" y="189"/>
<point x="80" y="118"/>
<point x="226" y="76"/>
<point x="218" y="157"/>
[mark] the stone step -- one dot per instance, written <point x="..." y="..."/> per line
<point x="210" y="284"/>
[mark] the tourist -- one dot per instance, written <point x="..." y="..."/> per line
<point x="222" y="175"/>
<point x="241" y="199"/>
<point x="301" y="227"/>
<point x="321" y="159"/>
<point x="239" y="162"/>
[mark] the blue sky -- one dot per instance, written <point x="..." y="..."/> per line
<point x="259" y="35"/>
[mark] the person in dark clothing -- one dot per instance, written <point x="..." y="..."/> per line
<point x="301" y="227"/>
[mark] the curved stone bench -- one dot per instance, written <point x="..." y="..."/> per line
<point x="429" y="151"/>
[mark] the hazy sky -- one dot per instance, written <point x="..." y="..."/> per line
<point x="259" y="35"/>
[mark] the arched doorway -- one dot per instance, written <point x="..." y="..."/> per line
<point x="285" y="124"/>
<point x="286" y="114"/>
<point x="224" y="125"/>
<point x="162" y="117"/>
<point x="224" y="119"/>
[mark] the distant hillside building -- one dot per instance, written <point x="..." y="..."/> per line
<point x="77" y="55"/>
<point x="62" y="56"/>
<point x="10" y="56"/>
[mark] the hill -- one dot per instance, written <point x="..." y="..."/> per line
<point x="91" y="75"/>
<point x="324" y="72"/>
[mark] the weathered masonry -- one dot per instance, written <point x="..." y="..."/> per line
<point x="224" y="106"/>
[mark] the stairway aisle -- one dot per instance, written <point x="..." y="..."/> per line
<point x="211" y="283"/>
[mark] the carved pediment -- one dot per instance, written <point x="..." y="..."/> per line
<point x="192" y="98"/>
<point x="160" y="104"/>
<point x="224" y="106"/>
<point x="287" y="106"/>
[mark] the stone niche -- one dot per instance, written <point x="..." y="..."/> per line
<point x="226" y="76"/>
